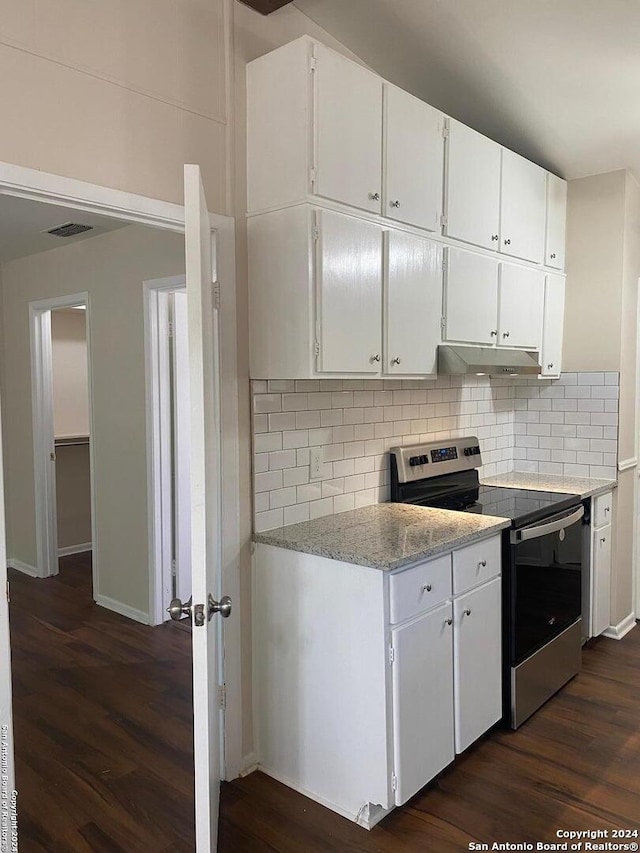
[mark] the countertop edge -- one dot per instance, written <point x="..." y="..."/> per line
<point x="402" y="562"/>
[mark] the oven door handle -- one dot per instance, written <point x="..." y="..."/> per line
<point x="538" y="530"/>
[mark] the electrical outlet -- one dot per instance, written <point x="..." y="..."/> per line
<point x="315" y="463"/>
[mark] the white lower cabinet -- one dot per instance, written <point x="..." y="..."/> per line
<point x="367" y="683"/>
<point x="600" y="587"/>
<point x="423" y="738"/>
<point x="477" y="662"/>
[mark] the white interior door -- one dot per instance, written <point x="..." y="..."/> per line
<point x="182" y="447"/>
<point x="205" y="507"/>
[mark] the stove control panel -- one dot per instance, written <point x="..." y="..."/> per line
<point x="419" y="461"/>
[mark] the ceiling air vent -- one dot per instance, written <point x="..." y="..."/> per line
<point x="69" y="229"/>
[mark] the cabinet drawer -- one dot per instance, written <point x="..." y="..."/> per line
<point x="420" y="588"/>
<point x="476" y="563"/>
<point x="602" y="509"/>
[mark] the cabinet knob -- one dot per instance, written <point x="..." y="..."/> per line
<point x="507" y="242"/>
<point x="505" y="334"/>
<point x="374" y="196"/>
<point x="427" y="587"/>
<point x="448" y="621"/>
<point x="607" y="509"/>
<point x="467" y="612"/>
<point x="482" y="564"/>
<point x="375" y="357"/>
<point x="494" y="333"/>
<point x="553" y="256"/>
<point x="495" y="237"/>
<point x="549" y="366"/>
<point x="395" y="361"/>
<point x="604" y="539"/>
<point x="395" y="203"/>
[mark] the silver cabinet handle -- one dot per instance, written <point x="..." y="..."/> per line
<point x="374" y="196"/>
<point x="507" y="242"/>
<point x="427" y="587"/>
<point x="505" y="334"/>
<point x="467" y="612"/>
<point x="395" y="203"/>
<point x="482" y="564"/>
<point x="395" y="361"/>
<point x="375" y="357"/>
<point x="495" y="237"/>
<point x="448" y="621"/>
<point x="494" y="333"/>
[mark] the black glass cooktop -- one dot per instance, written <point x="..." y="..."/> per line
<point x="520" y="505"/>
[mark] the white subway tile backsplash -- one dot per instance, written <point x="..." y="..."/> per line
<point x="566" y="426"/>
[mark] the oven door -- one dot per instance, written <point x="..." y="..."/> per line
<point x="546" y="581"/>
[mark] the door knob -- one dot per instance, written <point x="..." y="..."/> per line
<point x="395" y="203"/>
<point x="505" y="334"/>
<point x="374" y="196"/>
<point x="177" y="609"/>
<point x="375" y="357"/>
<point x="550" y="366"/>
<point x="494" y="237"/>
<point x="223" y="607"/>
<point x="507" y="242"/>
<point x="395" y="361"/>
<point x="467" y="612"/>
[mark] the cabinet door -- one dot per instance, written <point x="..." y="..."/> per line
<point x="471" y="297"/>
<point x="347" y="131"/>
<point x="472" y="187"/>
<point x="348" y="294"/>
<point x="522" y="208"/>
<point x="520" y="307"/>
<point x="423" y="741"/>
<point x="556" y="221"/>
<point x="601" y="580"/>
<point x="413" y="279"/>
<point x="477" y="654"/>
<point x="552" y="326"/>
<point x="414" y="160"/>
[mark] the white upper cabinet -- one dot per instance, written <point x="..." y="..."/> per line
<point x="522" y="208"/>
<point x="472" y="187"/>
<point x="520" y="306"/>
<point x="413" y="297"/>
<point x="553" y="325"/>
<point x="348" y="131"/>
<point x="556" y="221"/>
<point x="348" y="294"/>
<point x="471" y="297"/>
<point x="414" y="160"/>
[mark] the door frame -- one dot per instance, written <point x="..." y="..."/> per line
<point x="42" y="415"/>
<point x="159" y="501"/>
<point x="22" y="182"/>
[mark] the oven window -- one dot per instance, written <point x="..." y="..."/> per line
<point x="547" y="587"/>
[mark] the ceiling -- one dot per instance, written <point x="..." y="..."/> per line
<point x="556" y="80"/>
<point x="22" y="222"/>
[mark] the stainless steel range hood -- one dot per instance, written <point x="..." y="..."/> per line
<point x="492" y="361"/>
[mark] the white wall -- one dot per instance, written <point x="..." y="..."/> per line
<point x="69" y="367"/>
<point x="118" y="93"/>
<point x="112" y="268"/>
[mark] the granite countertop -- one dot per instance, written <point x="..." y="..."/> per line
<point x="384" y="536"/>
<point x="583" y="486"/>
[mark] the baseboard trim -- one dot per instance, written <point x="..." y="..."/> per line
<point x="617" y="632"/>
<point x="249" y="764"/>
<point x="25" y="568"/>
<point x="68" y="550"/>
<point x="122" y="609"/>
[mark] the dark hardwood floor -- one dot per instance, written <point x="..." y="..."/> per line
<point x="103" y="724"/>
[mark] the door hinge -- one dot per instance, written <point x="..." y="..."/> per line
<point x="8" y="593"/>
<point x="222" y="696"/>
<point x="316" y="233"/>
<point x="313" y="64"/>
<point x="173" y="568"/>
<point x="316" y="348"/>
<point x="215" y="286"/>
<point x="394" y="782"/>
<point x="392" y="654"/>
<point x="313" y="176"/>
<point x="443" y="322"/>
<point x="443" y="220"/>
<point x="445" y="130"/>
<point x="170" y="329"/>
